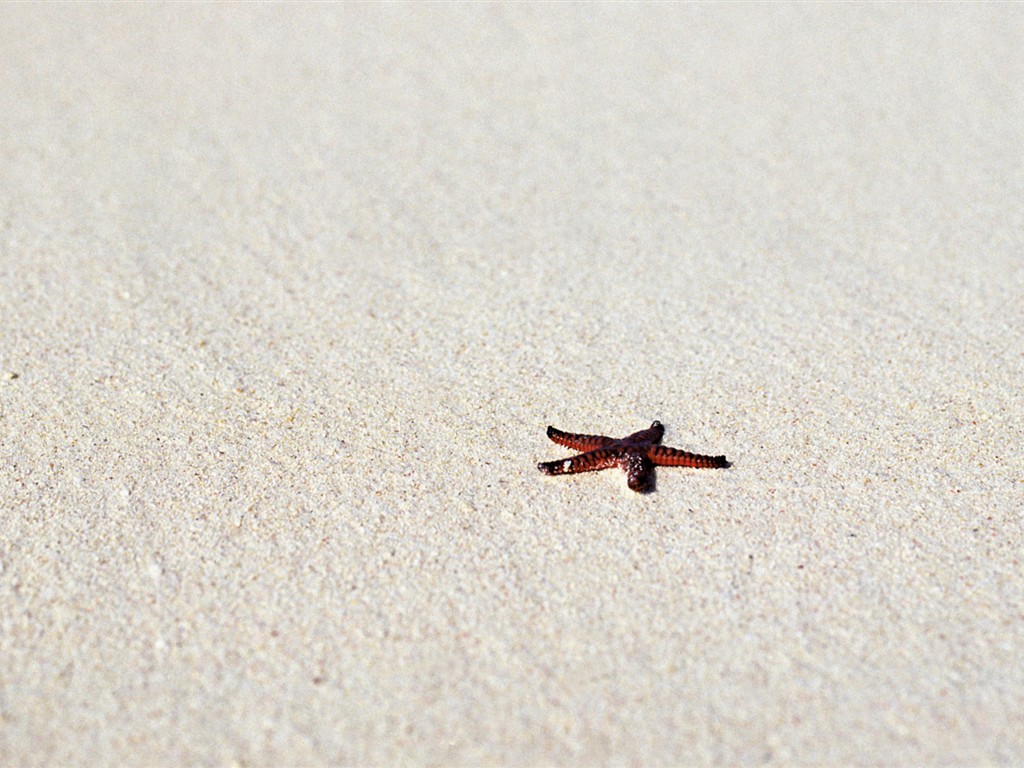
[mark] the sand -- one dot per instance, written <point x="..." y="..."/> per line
<point x="289" y="294"/>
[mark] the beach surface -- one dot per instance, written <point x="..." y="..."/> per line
<point x="290" y="293"/>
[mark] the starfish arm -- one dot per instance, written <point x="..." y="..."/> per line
<point x="652" y="434"/>
<point x="663" y="456"/>
<point x="639" y="472"/>
<point x="584" y="462"/>
<point x="579" y="442"/>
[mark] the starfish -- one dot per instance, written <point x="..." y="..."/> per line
<point x="638" y="454"/>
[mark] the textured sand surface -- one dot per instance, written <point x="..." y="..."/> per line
<point x="288" y="295"/>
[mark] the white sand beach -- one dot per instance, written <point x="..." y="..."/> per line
<point x="290" y="293"/>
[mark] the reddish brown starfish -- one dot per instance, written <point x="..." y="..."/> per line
<point x="638" y="454"/>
